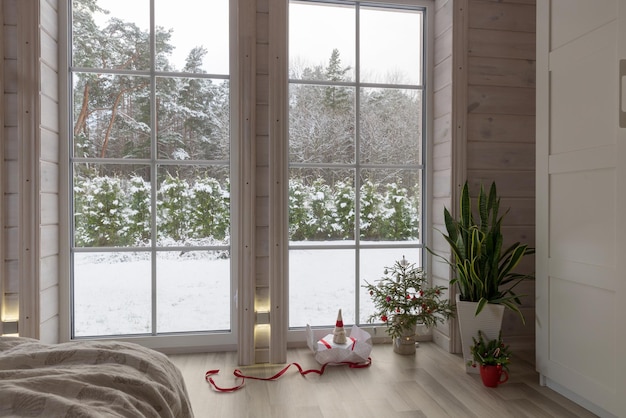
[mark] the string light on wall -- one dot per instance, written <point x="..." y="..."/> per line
<point x="262" y="332"/>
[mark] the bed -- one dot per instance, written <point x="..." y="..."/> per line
<point x="88" y="379"/>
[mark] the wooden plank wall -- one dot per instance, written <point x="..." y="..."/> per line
<point x="262" y="215"/>
<point x="47" y="149"/>
<point x="484" y="126"/>
<point x="500" y="131"/>
<point x="10" y="182"/>
<point x="2" y="285"/>
<point x="30" y="283"/>
<point x="442" y="149"/>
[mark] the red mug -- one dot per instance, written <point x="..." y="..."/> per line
<point x="493" y="375"/>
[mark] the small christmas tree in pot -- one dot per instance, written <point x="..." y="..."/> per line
<point x="402" y="299"/>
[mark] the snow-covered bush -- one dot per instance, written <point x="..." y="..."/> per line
<point x="99" y="213"/>
<point x="343" y="211"/>
<point x="371" y="206"/>
<point x="172" y="201"/>
<point x="209" y="209"/>
<point x="138" y="210"/>
<point x="298" y="211"/>
<point x="399" y="221"/>
<point x="116" y="212"/>
<point x="322" y="212"/>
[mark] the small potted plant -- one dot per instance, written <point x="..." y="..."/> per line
<point x="402" y="299"/>
<point x="493" y="358"/>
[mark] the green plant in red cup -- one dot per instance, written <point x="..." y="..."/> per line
<point x="490" y="352"/>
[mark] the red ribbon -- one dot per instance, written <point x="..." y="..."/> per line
<point x="323" y="341"/>
<point x="208" y="375"/>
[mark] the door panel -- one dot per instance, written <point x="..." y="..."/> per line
<point x="582" y="217"/>
<point x="577" y="98"/>
<point x="577" y="18"/>
<point x="581" y="197"/>
<point x="566" y="318"/>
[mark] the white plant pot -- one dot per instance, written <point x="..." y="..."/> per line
<point x="489" y="321"/>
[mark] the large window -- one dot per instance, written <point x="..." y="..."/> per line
<point x="150" y="167"/>
<point x="356" y="134"/>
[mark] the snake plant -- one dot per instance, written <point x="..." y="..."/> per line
<point x="483" y="270"/>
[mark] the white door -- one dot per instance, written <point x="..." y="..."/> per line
<point x="581" y="202"/>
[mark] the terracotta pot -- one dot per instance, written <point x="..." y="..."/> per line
<point x="492" y="376"/>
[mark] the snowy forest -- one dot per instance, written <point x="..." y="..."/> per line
<point x="349" y="147"/>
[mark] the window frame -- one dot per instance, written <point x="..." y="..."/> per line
<point x="168" y="342"/>
<point x="244" y="45"/>
<point x="296" y="336"/>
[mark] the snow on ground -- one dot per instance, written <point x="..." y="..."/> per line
<point x="113" y="291"/>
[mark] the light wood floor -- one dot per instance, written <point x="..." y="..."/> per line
<point x="432" y="383"/>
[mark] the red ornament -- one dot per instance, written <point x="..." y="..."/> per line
<point x="384" y="318"/>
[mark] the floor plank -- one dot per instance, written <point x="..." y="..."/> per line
<point x="430" y="384"/>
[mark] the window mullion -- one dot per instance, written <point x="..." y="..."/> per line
<point x="357" y="161"/>
<point x="153" y="170"/>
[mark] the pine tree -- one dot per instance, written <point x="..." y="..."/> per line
<point x="337" y="98"/>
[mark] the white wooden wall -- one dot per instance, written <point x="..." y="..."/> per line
<point x="500" y="127"/>
<point x="270" y="178"/>
<point x="30" y="166"/>
<point x="2" y="285"/>
<point x="10" y="204"/>
<point x="484" y="127"/>
<point x="262" y="141"/>
<point x="450" y="160"/>
<point x="47" y="150"/>
<point x="442" y="148"/>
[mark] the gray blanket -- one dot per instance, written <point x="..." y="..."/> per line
<point x="88" y="379"/>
